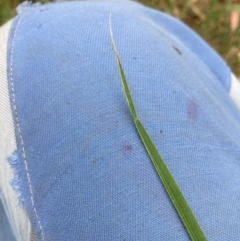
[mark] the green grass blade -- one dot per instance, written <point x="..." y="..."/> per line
<point x="171" y="187"/>
<point x="164" y="173"/>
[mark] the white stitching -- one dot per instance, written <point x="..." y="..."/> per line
<point x="19" y="130"/>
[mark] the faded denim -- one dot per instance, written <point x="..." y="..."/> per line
<point x="81" y="171"/>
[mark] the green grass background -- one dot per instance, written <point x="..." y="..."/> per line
<point x="210" y="18"/>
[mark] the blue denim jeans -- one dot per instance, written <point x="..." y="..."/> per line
<point x="72" y="166"/>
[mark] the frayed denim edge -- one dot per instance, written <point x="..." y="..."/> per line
<point x="16" y="181"/>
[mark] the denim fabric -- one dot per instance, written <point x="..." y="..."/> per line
<point x="10" y="212"/>
<point x="6" y="232"/>
<point x="82" y="170"/>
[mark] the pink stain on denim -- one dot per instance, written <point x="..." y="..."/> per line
<point x="128" y="148"/>
<point x="192" y="109"/>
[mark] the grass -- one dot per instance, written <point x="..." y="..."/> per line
<point x="210" y="18"/>
<point x="178" y="200"/>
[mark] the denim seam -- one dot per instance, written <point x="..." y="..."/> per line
<point x="19" y="129"/>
